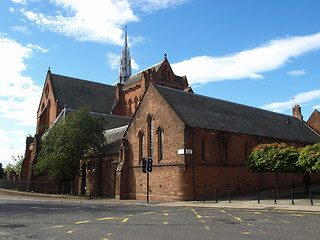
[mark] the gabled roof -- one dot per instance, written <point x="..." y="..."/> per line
<point x="76" y="93"/>
<point x="138" y="76"/>
<point x="113" y="139"/>
<point x="209" y="113"/>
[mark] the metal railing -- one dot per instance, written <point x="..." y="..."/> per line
<point x="47" y="187"/>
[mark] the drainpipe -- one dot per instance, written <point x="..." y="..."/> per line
<point x="194" y="167"/>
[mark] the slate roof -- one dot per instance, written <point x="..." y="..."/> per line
<point x="138" y="76"/>
<point x="209" y="113"/>
<point x="114" y="121"/>
<point x="113" y="138"/>
<point x="76" y="93"/>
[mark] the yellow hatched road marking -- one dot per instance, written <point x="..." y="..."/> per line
<point x="82" y="222"/>
<point x="60" y="226"/>
<point x="125" y="220"/>
<point x="147" y="213"/>
<point x="107" y="218"/>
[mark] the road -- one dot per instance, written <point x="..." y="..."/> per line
<point x="27" y="219"/>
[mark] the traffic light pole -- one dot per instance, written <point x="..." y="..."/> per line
<point x="147" y="187"/>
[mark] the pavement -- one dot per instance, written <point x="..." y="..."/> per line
<point x="301" y="202"/>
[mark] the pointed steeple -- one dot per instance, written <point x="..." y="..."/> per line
<point x="125" y="61"/>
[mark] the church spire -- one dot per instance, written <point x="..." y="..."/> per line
<point x="125" y="61"/>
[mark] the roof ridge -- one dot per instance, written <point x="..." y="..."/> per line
<point x="222" y="100"/>
<point x="82" y="80"/>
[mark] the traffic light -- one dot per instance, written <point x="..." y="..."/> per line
<point x="144" y="165"/>
<point x="149" y="164"/>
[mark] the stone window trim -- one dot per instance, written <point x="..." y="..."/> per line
<point x="203" y="149"/>
<point x="160" y="133"/>
<point x="141" y="147"/>
<point x="150" y="120"/>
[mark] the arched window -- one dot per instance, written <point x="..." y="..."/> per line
<point x="135" y="103"/>
<point x="130" y="110"/>
<point x="46" y="91"/>
<point x="140" y="136"/>
<point x="48" y="113"/>
<point x="203" y="149"/>
<point x="160" y="143"/>
<point x="150" y="135"/>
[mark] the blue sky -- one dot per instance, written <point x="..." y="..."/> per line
<point x="262" y="53"/>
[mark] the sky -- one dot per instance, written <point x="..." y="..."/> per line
<point x="264" y="53"/>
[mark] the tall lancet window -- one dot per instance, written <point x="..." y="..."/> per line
<point x="140" y="136"/>
<point x="160" y="143"/>
<point x="150" y="135"/>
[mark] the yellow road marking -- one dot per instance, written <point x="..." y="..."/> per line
<point x="60" y="226"/>
<point x="247" y="233"/>
<point x="107" y="218"/>
<point x="69" y="232"/>
<point x="166" y="214"/>
<point x="198" y="216"/>
<point x="165" y="223"/>
<point x="82" y="222"/>
<point x="207" y="227"/>
<point x="148" y="213"/>
<point x="239" y="219"/>
<point x="125" y="220"/>
<point x="284" y="221"/>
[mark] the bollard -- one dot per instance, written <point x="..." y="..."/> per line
<point x="292" y="199"/>
<point x="258" y="195"/>
<point x="216" y="195"/>
<point x="311" y="198"/>
<point x="275" y="196"/>
<point x="229" y="195"/>
<point x="204" y="196"/>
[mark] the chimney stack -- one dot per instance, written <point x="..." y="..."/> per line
<point x="296" y="112"/>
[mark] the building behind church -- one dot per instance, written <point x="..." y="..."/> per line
<point x="197" y="143"/>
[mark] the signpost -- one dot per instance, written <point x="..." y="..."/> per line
<point x="147" y="168"/>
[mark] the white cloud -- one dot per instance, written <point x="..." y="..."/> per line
<point x="296" y="73"/>
<point x="248" y="63"/>
<point x="95" y="20"/>
<point x="301" y="98"/>
<point x="22" y="29"/>
<point x="23" y="2"/>
<point x="154" y="5"/>
<point x="19" y="96"/>
<point x="11" y="9"/>
<point x="316" y="107"/>
<point x="114" y="59"/>
<point x="134" y="65"/>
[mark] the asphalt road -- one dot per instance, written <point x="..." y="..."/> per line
<point x="27" y="219"/>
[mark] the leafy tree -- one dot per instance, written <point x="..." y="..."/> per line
<point x="68" y="142"/>
<point x="275" y="157"/>
<point x="2" y="173"/>
<point x="309" y="158"/>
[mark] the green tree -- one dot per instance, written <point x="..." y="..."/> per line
<point x="68" y="142"/>
<point x="2" y="173"/>
<point x="309" y="158"/>
<point x="275" y="157"/>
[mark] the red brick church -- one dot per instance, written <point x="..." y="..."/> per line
<point x="197" y="143"/>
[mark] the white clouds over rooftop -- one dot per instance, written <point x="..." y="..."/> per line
<point x="301" y="98"/>
<point x="95" y="20"/>
<point x="248" y="63"/>
<point x="19" y="96"/>
<point x="296" y="73"/>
